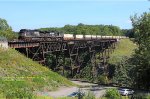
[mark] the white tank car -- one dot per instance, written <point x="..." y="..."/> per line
<point x="88" y="36"/>
<point x="113" y="36"/>
<point x="117" y="37"/>
<point x="71" y="36"/>
<point x="93" y="36"/>
<point x="123" y="37"/>
<point x="79" y="37"/>
<point x="103" y="36"/>
<point x="68" y="36"/>
<point x="99" y="36"/>
<point x="106" y="36"/>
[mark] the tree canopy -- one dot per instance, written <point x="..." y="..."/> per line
<point x="4" y="25"/>
<point x="6" y="30"/>
<point x="141" y="60"/>
<point x="128" y="32"/>
<point x="89" y="29"/>
<point x="134" y="71"/>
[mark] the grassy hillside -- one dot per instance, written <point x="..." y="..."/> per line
<point x="20" y="76"/>
<point x="124" y="49"/>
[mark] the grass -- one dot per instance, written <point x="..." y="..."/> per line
<point x="46" y="97"/>
<point x="124" y="48"/>
<point x="20" y="76"/>
<point x="122" y="97"/>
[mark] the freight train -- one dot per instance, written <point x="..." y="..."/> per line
<point x="37" y="35"/>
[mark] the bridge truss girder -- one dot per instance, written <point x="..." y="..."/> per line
<point x="71" y="50"/>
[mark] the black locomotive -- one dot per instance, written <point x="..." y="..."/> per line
<point x="37" y="35"/>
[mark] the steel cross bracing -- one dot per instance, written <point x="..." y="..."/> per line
<point x="69" y="49"/>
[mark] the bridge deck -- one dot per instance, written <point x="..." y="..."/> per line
<point x="27" y="44"/>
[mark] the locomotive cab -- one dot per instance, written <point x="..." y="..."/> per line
<point x="22" y="33"/>
<point x="37" y="35"/>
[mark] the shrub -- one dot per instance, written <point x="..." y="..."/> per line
<point x="102" y="79"/>
<point x="112" y="94"/>
<point x="86" y="73"/>
<point x="89" y="96"/>
<point x="16" y="89"/>
<point x="141" y="96"/>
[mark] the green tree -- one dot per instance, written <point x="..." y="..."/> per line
<point x="6" y="30"/>
<point x="141" y="62"/>
<point x="112" y="94"/>
<point x="4" y="25"/>
<point x="123" y="73"/>
<point x="88" y="29"/>
<point x="51" y="61"/>
<point x="70" y="29"/>
<point x="128" y="32"/>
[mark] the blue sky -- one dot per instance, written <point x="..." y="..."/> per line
<point x="33" y="14"/>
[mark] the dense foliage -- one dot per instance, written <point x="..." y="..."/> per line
<point x="135" y="71"/>
<point x="123" y="74"/>
<point x="89" y="29"/>
<point x="119" y="62"/>
<point x="6" y="30"/>
<point x="141" y="96"/>
<point x="112" y="94"/>
<point x="128" y="32"/>
<point x="4" y="25"/>
<point x="141" y="59"/>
